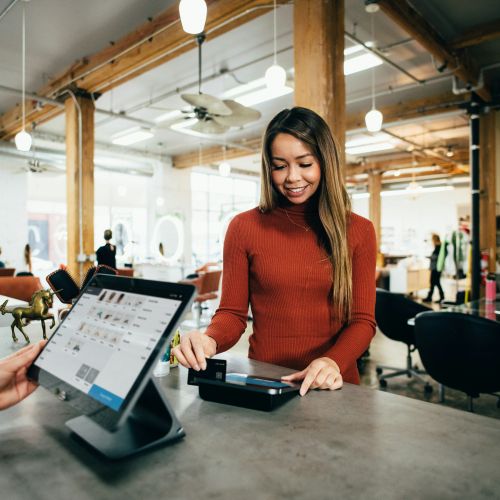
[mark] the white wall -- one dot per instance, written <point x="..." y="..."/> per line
<point x="13" y="220"/>
<point x="173" y="187"/>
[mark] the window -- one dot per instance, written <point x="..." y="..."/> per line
<point x="215" y="201"/>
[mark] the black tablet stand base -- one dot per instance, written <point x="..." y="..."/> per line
<point x="151" y="423"/>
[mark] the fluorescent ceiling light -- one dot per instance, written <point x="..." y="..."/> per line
<point x="170" y="115"/>
<point x="255" y="92"/>
<point x="263" y="95"/>
<point x="361" y="63"/>
<point x="131" y="136"/>
<point x="244" y="88"/>
<point x="370" y="148"/>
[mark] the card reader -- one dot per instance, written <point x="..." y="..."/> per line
<point x="240" y="389"/>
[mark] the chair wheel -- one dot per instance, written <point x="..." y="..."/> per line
<point x="428" y="389"/>
<point x="383" y="383"/>
<point x="379" y="370"/>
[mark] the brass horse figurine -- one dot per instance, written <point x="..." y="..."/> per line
<point x="38" y="309"/>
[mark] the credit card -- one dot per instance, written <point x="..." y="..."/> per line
<point x="216" y="370"/>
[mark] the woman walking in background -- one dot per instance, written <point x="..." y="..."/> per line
<point x="435" y="273"/>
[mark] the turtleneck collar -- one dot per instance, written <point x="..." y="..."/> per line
<point x="308" y="207"/>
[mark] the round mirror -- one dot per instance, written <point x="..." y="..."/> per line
<point x="168" y="239"/>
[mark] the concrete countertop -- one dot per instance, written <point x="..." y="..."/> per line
<point x="353" y="443"/>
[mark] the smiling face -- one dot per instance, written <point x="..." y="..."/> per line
<point x="295" y="171"/>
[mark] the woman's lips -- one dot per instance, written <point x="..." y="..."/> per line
<point x="295" y="192"/>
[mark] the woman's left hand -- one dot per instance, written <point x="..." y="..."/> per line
<point x="322" y="373"/>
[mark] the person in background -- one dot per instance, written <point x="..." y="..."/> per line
<point x="107" y="253"/>
<point x="303" y="260"/>
<point x="27" y="269"/>
<point x="2" y="264"/>
<point x="14" y="385"/>
<point x="27" y="258"/>
<point x="435" y="273"/>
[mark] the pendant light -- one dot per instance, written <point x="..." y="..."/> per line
<point x="275" y="75"/>
<point x="193" y="15"/>
<point x="374" y="117"/>
<point x="23" y="139"/>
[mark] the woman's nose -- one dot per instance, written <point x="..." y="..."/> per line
<point x="293" y="174"/>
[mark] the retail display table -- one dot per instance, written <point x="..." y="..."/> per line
<point x="353" y="443"/>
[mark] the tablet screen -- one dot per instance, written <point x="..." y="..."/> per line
<point x="104" y="343"/>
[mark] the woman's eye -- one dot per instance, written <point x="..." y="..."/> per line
<point x="278" y="167"/>
<point x="304" y="165"/>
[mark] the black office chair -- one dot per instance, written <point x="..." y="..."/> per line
<point x="392" y="312"/>
<point x="460" y="351"/>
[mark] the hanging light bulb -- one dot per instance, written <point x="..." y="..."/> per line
<point x="23" y="139"/>
<point x="224" y="169"/>
<point x="374" y="117"/>
<point x="193" y="15"/>
<point x="450" y="152"/>
<point x="275" y="75"/>
<point x="373" y="120"/>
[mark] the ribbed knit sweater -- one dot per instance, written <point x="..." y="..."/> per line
<point x="274" y="262"/>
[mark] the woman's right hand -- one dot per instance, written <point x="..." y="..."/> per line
<point x="193" y="350"/>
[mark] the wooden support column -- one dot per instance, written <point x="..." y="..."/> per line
<point x="375" y="210"/>
<point x="487" y="185"/>
<point x="80" y="180"/>
<point x="319" y="62"/>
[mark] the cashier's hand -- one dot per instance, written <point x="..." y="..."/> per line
<point x="14" y="385"/>
<point x="322" y="373"/>
<point x="194" y="348"/>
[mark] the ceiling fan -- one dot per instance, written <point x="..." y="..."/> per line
<point x="214" y="115"/>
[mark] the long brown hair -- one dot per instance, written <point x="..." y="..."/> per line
<point x="334" y="205"/>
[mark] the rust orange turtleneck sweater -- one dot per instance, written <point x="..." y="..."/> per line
<point x="273" y="263"/>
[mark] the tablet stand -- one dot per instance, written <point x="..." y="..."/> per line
<point x="151" y="422"/>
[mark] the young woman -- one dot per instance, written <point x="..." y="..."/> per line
<point x="302" y="259"/>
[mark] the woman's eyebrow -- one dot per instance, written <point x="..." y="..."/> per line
<point x="297" y="157"/>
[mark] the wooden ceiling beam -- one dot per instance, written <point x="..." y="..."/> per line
<point x="407" y="18"/>
<point x="152" y="44"/>
<point x="447" y="171"/>
<point x="406" y="110"/>
<point x="477" y="35"/>
<point x="215" y="154"/>
<point x="402" y="164"/>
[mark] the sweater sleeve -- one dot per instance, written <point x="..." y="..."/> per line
<point x="230" y="319"/>
<point x="355" y="338"/>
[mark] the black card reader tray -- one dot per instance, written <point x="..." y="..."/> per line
<point x="236" y="396"/>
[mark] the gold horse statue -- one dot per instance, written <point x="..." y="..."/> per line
<point x="38" y="309"/>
